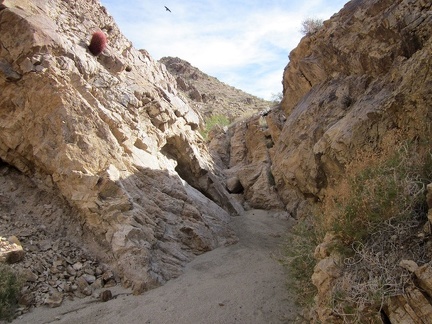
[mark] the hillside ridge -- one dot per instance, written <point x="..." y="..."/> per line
<point x="211" y="96"/>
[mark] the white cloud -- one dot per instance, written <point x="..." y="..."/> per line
<point x="244" y="44"/>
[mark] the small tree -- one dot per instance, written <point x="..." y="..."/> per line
<point x="277" y="97"/>
<point x="311" y="26"/>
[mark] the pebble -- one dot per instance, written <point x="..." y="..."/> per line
<point x="77" y="266"/>
<point x="105" y="295"/>
<point x="89" y="278"/>
<point x="54" y="300"/>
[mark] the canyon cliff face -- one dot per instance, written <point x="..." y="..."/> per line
<point x="362" y="80"/>
<point x="110" y="136"/>
<point x="113" y="153"/>
<point x="355" y="85"/>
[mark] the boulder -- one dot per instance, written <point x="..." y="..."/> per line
<point x="11" y="250"/>
<point x="234" y="185"/>
<point x="106" y="295"/>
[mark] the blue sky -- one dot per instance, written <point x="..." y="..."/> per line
<point x="243" y="43"/>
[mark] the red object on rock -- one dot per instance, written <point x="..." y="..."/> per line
<point x="98" y="43"/>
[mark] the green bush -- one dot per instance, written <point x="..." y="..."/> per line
<point x="212" y="122"/>
<point x="10" y="286"/>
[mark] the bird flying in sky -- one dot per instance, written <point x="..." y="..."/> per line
<point x="167" y="9"/>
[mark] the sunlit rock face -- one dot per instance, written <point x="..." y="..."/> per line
<point x="358" y="84"/>
<point x="361" y="79"/>
<point x="110" y="135"/>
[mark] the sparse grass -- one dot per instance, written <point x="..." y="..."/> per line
<point x="10" y="286"/>
<point x="212" y="122"/>
<point x="392" y="188"/>
<point x="299" y="252"/>
<point x="376" y="212"/>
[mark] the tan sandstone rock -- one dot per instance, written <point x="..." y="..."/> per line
<point x="424" y="278"/>
<point x="412" y="307"/>
<point x="111" y="136"/>
<point x="348" y="86"/>
<point x="11" y="250"/>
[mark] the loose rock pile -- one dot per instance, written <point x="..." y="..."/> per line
<point x="56" y="270"/>
<point x="51" y="266"/>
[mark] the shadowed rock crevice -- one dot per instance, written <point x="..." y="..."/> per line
<point x="197" y="175"/>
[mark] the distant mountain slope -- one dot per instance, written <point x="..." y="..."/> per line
<point x="211" y="96"/>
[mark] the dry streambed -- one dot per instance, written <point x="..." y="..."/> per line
<point x="241" y="283"/>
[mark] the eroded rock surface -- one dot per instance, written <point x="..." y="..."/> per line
<point x="209" y="95"/>
<point x="358" y="84"/>
<point x="360" y="80"/>
<point x="111" y="137"/>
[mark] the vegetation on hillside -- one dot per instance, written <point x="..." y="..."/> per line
<point x="377" y="212"/>
<point x="10" y="286"/>
<point x="311" y="26"/>
<point x="213" y="122"/>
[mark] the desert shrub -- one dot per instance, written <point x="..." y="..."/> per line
<point x="300" y="261"/>
<point x="276" y="98"/>
<point x="376" y="211"/>
<point x="212" y="122"/>
<point x="311" y="26"/>
<point x="378" y="214"/>
<point x="10" y="286"/>
<point x="392" y="188"/>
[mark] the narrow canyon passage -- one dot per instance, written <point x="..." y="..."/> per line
<point x="241" y="283"/>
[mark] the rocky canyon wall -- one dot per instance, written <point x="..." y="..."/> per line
<point x="110" y="135"/>
<point x="358" y="87"/>
<point x="360" y="83"/>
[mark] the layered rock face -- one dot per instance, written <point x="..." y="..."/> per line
<point x="356" y="85"/>
<point x="245" y="152"/>
<point x="363" y="79"/>
<point x="110" y="135"/>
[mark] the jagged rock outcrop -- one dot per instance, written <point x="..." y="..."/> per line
<point x="245" y="151"/>
<point x="110" y="135"/>
<point x="209" y="95"/>
<point x="250" y="152"/>
<point x="358" y="83"/>
<point x="360" y="80"/>
<point x="247" y="172"/>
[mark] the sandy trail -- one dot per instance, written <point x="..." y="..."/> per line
<point x="241" y="283"/>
